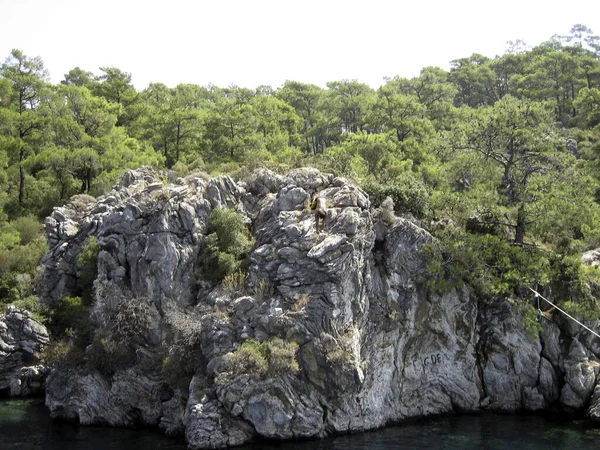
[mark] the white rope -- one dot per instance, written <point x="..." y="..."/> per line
<point x="538" y="295"/>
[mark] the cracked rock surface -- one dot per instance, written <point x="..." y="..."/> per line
<point x="22" y="338"/>
<point x="374" y="343"/>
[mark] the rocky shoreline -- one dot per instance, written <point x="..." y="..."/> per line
<point x="370" y="342"/>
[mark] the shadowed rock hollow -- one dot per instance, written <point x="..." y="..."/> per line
<point x="372" y="343"/>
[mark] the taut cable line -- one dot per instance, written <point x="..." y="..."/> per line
<point x="538" y="296"/>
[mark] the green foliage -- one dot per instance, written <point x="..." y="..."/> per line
<point x="582" y="310"/>
<point x="250" y="359"/>
<point x="29" y="229"/>
<point x="234" y="282"/>
<point x="70" y="311"/>
<point x="18" y="264"/>
<point x="407" y="191"/>
<point x="107" y="356"/>
<point x="178" y="368"/>
<point x="230" y="230"/>
<point x="71" y="314"/>
<point x="530" y="319"/>
<point x="489" y="264"/>
<point x="281" y="356"/>
<point x="59" y="353"/>
<point x="88" y="263"/>
<point x="255" y="359"/>
<point x="575" y="283"/>
<point x="9" y="237"/>
<point x="33" y="305"/>
<point x="479" y="143"/>
<point x="227" y="246"/>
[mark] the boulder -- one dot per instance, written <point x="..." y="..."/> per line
<point x="22" y="339"/>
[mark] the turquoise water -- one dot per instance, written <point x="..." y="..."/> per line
<point x="25" y="425"/>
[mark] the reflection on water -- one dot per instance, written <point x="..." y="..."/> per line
<point x="25" y="425"/>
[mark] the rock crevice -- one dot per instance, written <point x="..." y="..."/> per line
<point x="374" y="344"/>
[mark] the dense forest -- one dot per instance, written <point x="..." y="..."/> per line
<point x="499" y="158"/>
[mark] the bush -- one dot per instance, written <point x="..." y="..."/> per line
<point x="178" y="368"/>
<point x="575" y="286"/>
<point x="60" y="352"/>
<point x="491" y="265"/>
<point x="226" y="246"/>
<point x="257" y="359"/>
<point x="183" y="356"/>
<point x="187" y="327"/>
<point x="29" y="229"/>
<point x="88" y="263"/>
<point x="282" y="357"/>
<point x="70" y="312"/>
<point x="231" y="231"/>
<point x="107" y="356"/>
<point x="70" y="317"/>
<point x="263" y="290"/>
<point x="33" y="305"/>
<point x="124" y="316"/>
<point x="408" y="193"/>
<point x="234" y="282"/>
<point x="18" y="269"/>
<point x="250" y="359"/>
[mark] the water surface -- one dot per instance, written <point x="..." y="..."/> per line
<point x="25" y="425"/>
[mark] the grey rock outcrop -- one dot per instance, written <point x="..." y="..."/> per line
<point x="375" y="343"/>
<point x="22" y="338"/>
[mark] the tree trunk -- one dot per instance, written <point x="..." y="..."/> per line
<point x="520" y="227"/>
<point x="21" y="184"/>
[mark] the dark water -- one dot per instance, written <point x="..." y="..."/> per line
<point x="25" y="425"/>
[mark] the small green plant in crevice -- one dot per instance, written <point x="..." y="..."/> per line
<point x="338" y="350"/>
<point x="88" y="264"/>
<point x="227" y="245"/>
<point x="263" y="290"/>
<point x="281" y="355"/>
<point x="300" y="303"/>
<point x="234" y="282"/>
<point x="249" y="359"/>
<point x="256" y="359"/>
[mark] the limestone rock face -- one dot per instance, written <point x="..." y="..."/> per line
<point x="22" y="338"/>
<point x="131" y="397"/>
<point x="374" y="343"/>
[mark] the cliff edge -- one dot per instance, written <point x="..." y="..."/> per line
<point x="321" y="333"/>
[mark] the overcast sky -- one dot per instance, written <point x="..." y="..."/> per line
<point x="266" y="42"/>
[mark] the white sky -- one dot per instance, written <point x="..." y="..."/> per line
<point x="265" y="42"/>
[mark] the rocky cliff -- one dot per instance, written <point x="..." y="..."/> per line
<point x="22" y="339"/>
<point x="341" y="330"/>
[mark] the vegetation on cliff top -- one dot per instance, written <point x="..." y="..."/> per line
<point x="505" y="148"/>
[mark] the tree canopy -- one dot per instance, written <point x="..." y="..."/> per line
<point x="506" y="148"/>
